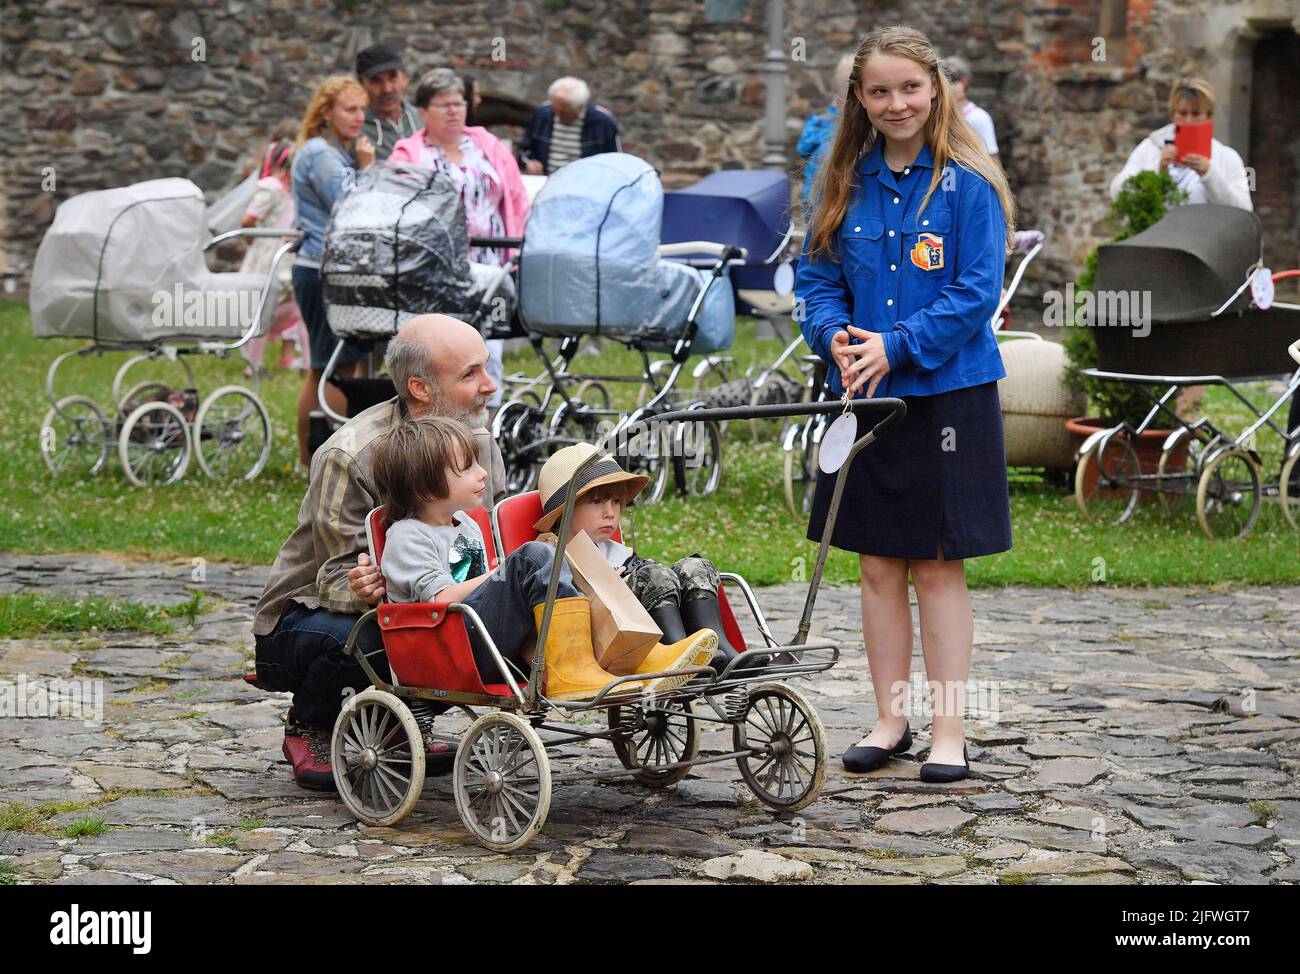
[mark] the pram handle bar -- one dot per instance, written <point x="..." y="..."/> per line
<point x="896" y="407"/>
<point x="692" y="248"/>
<point x="496" y="241"/>
<point x="287" y="233"/>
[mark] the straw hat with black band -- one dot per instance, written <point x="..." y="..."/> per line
<point x="553" y="483"/>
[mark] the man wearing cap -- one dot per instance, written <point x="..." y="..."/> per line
<point x="389" y="117"/>
<point x="309" y="605"/>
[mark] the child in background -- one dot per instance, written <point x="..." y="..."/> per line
<point x="428" y="476"/>
<point x="272" y="206"/>
<point x="681" y="599"/>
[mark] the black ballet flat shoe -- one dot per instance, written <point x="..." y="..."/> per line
<point x="870" y="758"/>
<point x="947" y="772"/>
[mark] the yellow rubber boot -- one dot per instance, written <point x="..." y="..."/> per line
<point x="572" y="672"/>
<point x="695" y="650"/>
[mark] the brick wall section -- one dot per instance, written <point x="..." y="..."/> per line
<point x="108" y="94"/>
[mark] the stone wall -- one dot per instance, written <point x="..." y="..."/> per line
<point x="111" y="93"/>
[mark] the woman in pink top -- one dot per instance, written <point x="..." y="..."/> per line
<point x="496" y="202"/>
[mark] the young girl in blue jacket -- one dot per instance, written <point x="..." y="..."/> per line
<point x="901" y="272"/>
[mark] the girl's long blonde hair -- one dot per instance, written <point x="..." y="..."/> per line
<point x="951" y="139"/>
<point x="322" y="103"/>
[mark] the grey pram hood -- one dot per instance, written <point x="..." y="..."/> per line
<point x="126" y="266"/>
<point x="590" y="261"/>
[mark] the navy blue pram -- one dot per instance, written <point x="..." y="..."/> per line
<point x="748" y="208"/>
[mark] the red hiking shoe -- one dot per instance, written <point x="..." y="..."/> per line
<point x="308" y="750"/>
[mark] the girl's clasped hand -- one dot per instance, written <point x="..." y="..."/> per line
<point x="863" y="363"/>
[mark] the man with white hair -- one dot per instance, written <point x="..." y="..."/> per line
<point x="321" y="581"/>
<point x="567" y="127"/>
<point x="959" y="73"/>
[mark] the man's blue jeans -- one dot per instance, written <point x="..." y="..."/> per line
<point x="304" y="654"/>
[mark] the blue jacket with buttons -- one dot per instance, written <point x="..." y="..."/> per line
<point x="927" y="282"/>
<point x="321" y="173"/>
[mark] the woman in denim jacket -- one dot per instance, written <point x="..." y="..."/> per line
<point x="901" y="273"/>
<point x="323" y="170"/>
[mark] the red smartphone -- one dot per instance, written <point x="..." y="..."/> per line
<point x="1192" y="140"/>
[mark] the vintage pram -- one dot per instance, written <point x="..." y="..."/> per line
<point x="125" y="270"/>
<point x="750" y="208"/>
<point x="396" y="247"/>
<point x="1209" y="321"/>
<point x="502" y="775"/>
<point x="591" y="266"/>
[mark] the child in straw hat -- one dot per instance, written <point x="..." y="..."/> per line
<point x="681" y="599"/>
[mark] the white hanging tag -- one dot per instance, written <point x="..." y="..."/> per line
<point x="783" y="279"/>
<point x="838" y="440"/>
<point x="1261" y="288"/>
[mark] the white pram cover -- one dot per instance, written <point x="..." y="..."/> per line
<point x="590" y="262"/>
<point x="126" y="266"/>
<point x="396" y="247"/>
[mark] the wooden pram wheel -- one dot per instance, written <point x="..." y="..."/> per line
<point x="377" y="751"/>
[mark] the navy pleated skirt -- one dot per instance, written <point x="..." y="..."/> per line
<point x="936" y="482"/>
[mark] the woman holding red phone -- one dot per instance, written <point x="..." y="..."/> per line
<point x="1217" y="178"/>
<point x="901" y="272"/>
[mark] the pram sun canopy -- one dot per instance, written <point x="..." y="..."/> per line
<point x="1191" y="262"/>
<point x="748" y="208"/>
<point x="590" y="263"/>
<point x="1157" y="293"/>
<point x="126" y="265"/>
<point x="396" y="247"/>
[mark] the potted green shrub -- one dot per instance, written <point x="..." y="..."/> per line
<point x="1144" y="200"/>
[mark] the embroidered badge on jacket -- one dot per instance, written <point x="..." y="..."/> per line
<point x="928" y="252"/>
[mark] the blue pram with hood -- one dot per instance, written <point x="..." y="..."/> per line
<point x="592" y="266"/>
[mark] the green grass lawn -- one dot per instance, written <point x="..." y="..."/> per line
<point x="744" y="527"/>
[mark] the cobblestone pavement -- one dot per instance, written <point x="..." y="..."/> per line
<point x="1140" y="736"/>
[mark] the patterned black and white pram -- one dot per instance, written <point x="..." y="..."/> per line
<point x="397" y="247"/>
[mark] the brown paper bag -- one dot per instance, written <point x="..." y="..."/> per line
<point x="622" y="632"/>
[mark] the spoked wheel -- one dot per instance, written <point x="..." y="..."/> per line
<point x="1178" y="470"/>
<point x="697" y="457"/>
<point x="1106" y="480"/>
<point x="1289" y="491"/>
<point x="645" y="450"/>
<point x="663" y="736"/>
<point x="378" y="756"/>
<point x="788" y="763"/>
<point x="502" y="781"/>
<point x="232" y="434"/>
<point x="517" y="425"/>
<point x="75" y="437"/>
<point x="154" y="445"/>
<point x="573" y="422"/>
<point x="151" y="390"/>
<point x="1227" y="495"/>
<point x="707" y="375"/>
<point x="801" y="453"/>
<point x="594" y="394"/>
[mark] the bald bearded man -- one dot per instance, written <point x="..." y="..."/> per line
<point x="439" y="367"/>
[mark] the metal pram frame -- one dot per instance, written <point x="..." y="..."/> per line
<point x="502" y="777"/>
